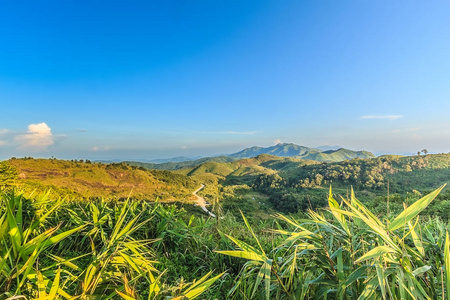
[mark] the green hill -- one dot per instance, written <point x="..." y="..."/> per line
<point x="84" y="179"/>
<point x="337" y="155"/>
<point x="280" y="150"/>
<point x="179" y="164"/>
<point x="277" y="150"/>
<point x="292" y="150"/>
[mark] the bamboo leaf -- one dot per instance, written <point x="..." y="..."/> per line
<point x="409" y="213"/>
<point x="247" y="248"/>
<point x="243" y="254"/>
<point x="370" y="289"/>
<point x="416" y="239"/>
<point x="124" y="296"/>
<point x="447" y="264"/>
<point x="362" y="213"/>
<point x="359" y="273"/>
<point x="57" y="238"/>
<point x="55" y="285"/>
<point x="374" y="253"/>
<point x="421" y="270"/>
<point x="251" y="231"/>
<point x="336" y="213"/>
<point x="197" y="289"/>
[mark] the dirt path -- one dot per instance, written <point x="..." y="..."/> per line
<point x="202" y="202"/>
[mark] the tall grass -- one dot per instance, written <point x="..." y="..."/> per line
<point x="104" y="250"/>
<point x="347" y="252"/>
<point x="60" y="249"/>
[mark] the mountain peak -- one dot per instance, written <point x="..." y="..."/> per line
<point x="293" y="150"/>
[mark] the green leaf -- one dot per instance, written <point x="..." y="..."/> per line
<point x="375" y="252"/>
<point x="370" y="289"/>
<point x="199" y="287"/>
<point x="409" y="213"/>
<point x="247" y="248"/>
<point x="416" y="239"/>
<point x="421" y="270"/>
<point x="367" y="217"/>
<point x="124" y="296"/>
<point x="251" y="231"/>
<point x="243" y="254"/>
<point x="55" y="285"/>
<point x="57" y="238"/>
<point x="447" y="264"/>
<point x="359" y="273"/>
<point x="336" y="213"/>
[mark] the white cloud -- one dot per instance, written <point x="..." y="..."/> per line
<point x="39" y="137"/>
<point x="95" y="148"/>
<point x="183" y="147"/>
<point x="2" y="143"/>
<point x="382" y="117"/>
<point x="277" y="141"/>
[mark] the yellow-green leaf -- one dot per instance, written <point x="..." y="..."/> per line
<point x="375" y="252"/>
<point x="409" y="213"/>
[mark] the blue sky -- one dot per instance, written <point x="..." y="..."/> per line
<point x="155" y="79"/>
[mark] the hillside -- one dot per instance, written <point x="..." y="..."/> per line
<point x="287" y="184"/>
<point x="292" y="184"/>
<point x="244" y="171"/>
<point x="292" y="150"/>
<point x="280" y="150"/>
<point x="338" y="155"/>
<point x="277" y="150"/>
<point x="175" y="165"/>
<point x="84" y="179"/>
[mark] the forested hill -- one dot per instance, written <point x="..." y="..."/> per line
<point x="422" y="171"/>
<point x="293" y="150"/>
<point x="292" y="184"/>
<point x="85" y="179"/>
<point x="281" y="150"/>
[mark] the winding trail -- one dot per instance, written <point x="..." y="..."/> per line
<point x="201" y="201"/>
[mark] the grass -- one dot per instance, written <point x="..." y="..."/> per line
<point x="348" y="253"/>
<point x="124" y="249"/>
<point x="83" y="179"/>
<point x="119" y="248"/>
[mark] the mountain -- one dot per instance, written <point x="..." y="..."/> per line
<point x="289" y="150"/>
<point x="280" y="150"/>
<point x="293" y="150"/>
<point x="327" y="147"/>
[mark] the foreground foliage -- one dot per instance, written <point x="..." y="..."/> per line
<point x="349" y="253"/>
<point x="65" y="249"/>
<point x="75" y="250"/>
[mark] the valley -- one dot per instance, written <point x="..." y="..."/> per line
<point x="211" y="225"/>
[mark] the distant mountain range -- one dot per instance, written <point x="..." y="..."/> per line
<point x="289" y="150"/>
<point x="327" y="147"/>
<point x="293" y="150"/>
<point x="281" y="150"/>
